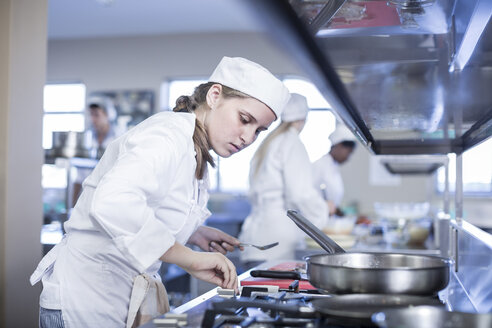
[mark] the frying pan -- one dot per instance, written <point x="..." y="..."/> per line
<point x="340" y="272"/>
<point x="357" y="309"/>
<point x="430" y="317"/>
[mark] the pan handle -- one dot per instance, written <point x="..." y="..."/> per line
<point x="276" y="274"/>
<point x="319" y="236"/>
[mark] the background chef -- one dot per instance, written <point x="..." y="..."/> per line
<point x="280" y="179"/>
<point x="326" y="170"/>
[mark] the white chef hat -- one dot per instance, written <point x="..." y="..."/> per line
<point x="341" y="133"/>
<point x="252" y="79"/>
<point x="106" y="104"/>
<point x="296" y="109"/>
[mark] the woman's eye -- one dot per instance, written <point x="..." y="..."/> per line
<point x="244" y="119"/>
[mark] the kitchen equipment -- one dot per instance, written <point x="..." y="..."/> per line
<point x="284" y="274"/>
<point x="72" y="144"/>
<point x="291" y="309"/>
<point x="340" y="272"/>
<point x="296" y="275"/>
<point x="430" y="317"/>
<point x="261" y="248"/>
<point x="359" y="308"/>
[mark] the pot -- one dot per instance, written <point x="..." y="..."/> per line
<point x="340" y="272"/>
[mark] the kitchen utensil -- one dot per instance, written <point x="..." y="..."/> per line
<point x="295" y="275"/>
<point x="262" y="248"/>
<point x="359" y="308"/>
<point x="363" y="272"/>
<point x="430" y="317"/>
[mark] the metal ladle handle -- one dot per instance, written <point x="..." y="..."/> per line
<point x="318" y="236"/>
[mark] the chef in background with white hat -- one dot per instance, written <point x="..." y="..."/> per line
<point x="280" y="179"/>
<point x="147" y="198"/>
<point x="326" y="170"/>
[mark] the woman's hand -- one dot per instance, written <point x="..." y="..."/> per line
<point x="213" y="240"/>
<point x="214" y="268"/>
<point x="211" y="267"/>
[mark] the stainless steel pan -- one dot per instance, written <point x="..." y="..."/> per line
<point x="430" y="317"/>
<point x="357" y="309"/>
<point x="341" y="272"/>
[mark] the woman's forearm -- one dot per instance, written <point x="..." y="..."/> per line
<point x="178" y="254"/>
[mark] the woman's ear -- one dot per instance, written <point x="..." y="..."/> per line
<point x="213" y="95"/>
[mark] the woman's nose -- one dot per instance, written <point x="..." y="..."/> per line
<point x="248" y="136"/>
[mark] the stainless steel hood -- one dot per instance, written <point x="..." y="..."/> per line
<point x="407" y="76"/>
<point x="413" y="164"/>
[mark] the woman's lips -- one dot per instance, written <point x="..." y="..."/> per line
<point x="235" y="148"/>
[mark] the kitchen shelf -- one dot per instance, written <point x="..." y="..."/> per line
<point x="423" y="89"/>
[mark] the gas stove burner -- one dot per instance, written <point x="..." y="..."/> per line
<point x="259" y="313"/>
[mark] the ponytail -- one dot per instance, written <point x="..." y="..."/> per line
<point x="200" y="139"/>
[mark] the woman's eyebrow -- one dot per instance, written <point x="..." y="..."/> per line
<point x="254" y="120"/>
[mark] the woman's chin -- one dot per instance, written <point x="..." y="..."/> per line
<point x="224" y="153"/>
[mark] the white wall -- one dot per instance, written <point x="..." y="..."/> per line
<point x="358" y="188"/>
<point x="145" y="62"/>
<point x="22" y="77"/>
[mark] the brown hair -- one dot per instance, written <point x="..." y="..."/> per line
<point x="260" y="153"/>
<point x="200" y="137"/>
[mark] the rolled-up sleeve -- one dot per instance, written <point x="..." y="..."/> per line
<point x="122" y="202"/>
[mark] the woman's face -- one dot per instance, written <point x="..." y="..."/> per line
<point x="234" y="123"/>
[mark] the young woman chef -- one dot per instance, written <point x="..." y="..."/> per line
<point x="280" y="179"/>
<point x="147" y="198"/>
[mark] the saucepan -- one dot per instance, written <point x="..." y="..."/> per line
<point x="340" y="272"/>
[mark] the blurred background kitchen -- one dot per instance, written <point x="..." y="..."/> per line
<point x="140" y="56"/>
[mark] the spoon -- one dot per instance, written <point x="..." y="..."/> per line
<point x="262" y="248"/>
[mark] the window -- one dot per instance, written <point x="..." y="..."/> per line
<point x="232" y="174"/>
<point x="179" y="88"/>
<point x="477" y="171"/>
<point x="320" y="122"/>
<point x="63" y="110"/>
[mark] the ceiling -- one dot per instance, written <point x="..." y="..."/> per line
<point x="74" y="19"/>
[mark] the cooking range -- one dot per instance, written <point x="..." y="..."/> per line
<point x="264" y="305"/>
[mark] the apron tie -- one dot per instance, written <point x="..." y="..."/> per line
<point x="148" y="300"/>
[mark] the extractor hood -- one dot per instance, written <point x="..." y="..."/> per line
<point x="406" y="76"/>
<point x="413" y="164"/>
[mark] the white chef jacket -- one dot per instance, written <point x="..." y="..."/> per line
<point x="326" y="173"/>
<point x="283" y="182"/>
<point x="141" y="198"/>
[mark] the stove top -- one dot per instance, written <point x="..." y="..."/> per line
<point x="269" y="306"/>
